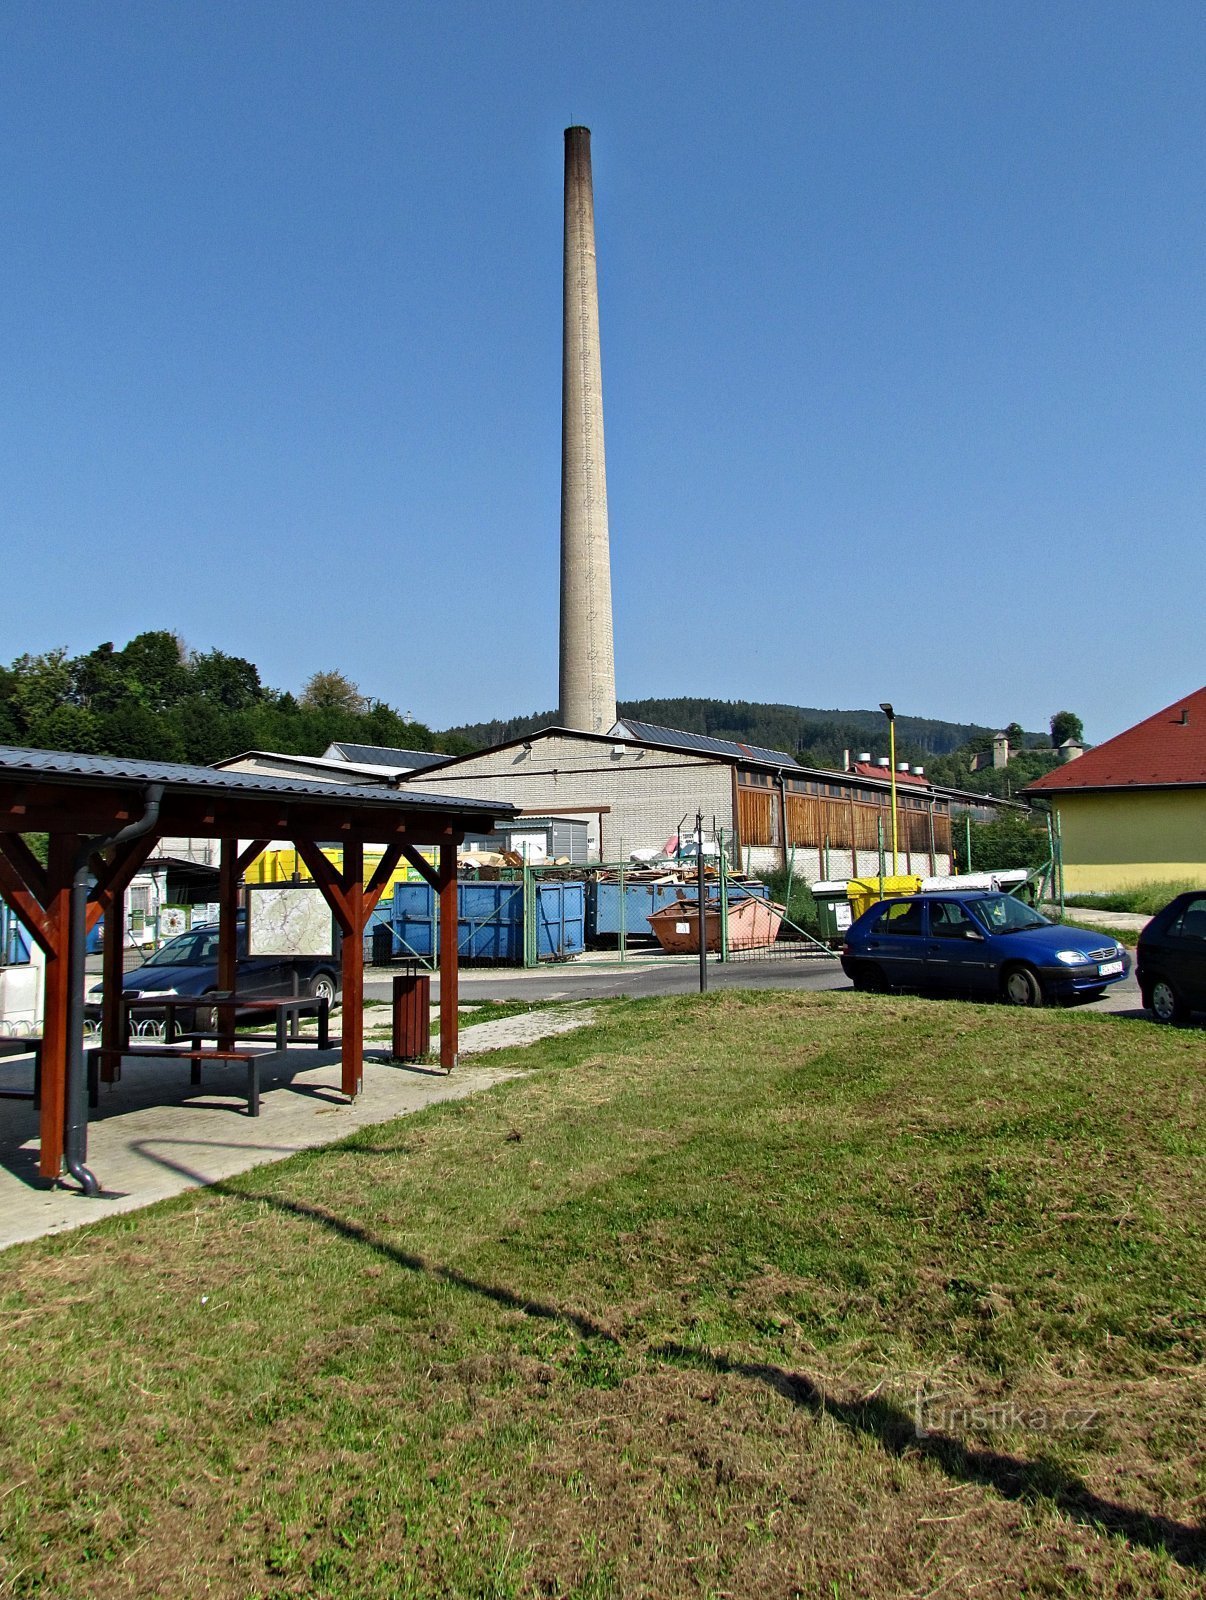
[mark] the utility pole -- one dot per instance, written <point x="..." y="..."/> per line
<point x="701" y="890"/>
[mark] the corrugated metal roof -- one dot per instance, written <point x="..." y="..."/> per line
<point x="868" y="769"/>
<point x="380" y="755"/>
<point x="678" y="739"/>
<point x="83" y="769"/>
<point x="1168" y="748"/>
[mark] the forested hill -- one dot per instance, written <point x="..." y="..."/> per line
<point x="155" y="700"/>
<point x="816" y="737"/>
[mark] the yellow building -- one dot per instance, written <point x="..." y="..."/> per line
<point x="1133" y="810"/>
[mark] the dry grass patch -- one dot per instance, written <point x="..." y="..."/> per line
<point x="661" y="1318"/>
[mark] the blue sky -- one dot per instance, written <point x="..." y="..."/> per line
<point x="902" y="316"/>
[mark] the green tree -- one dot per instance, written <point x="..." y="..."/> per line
<point x="153" y="667"/>
<point x="69" y="728"/>
<point x="332" y="691"/>
<point x="98" y="679"/>
<point x="42" y="684"/>
<point x="1010" y="841"/>
<point x="135" y="730"/>
<point x="1066" y="725"/>
<point x="224" y="680"/>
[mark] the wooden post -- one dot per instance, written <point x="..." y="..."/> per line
<point x="449" y="934"/>
<point x="353" y="967"/>
<point x="62" y="851"/>
<point x="112" y="971"/>
<point x="228" y="935"/>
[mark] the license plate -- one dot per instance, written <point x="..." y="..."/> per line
<point x="1107" y="968"/>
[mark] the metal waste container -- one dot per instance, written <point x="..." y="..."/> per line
<point x="834" y="911"/>
<point x="412" y="1015"/>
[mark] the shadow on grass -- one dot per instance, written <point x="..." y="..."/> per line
<point x="1029" y="1482"/>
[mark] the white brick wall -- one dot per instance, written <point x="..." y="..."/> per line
<point x="649" y="791"/>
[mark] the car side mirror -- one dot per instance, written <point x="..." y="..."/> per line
<point x="972" y="934"/>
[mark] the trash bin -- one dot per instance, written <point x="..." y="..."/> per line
<point x="834" y="911"/>
<point x="412" y="1015"/>
<point x="864" y="892"/>
<point x="383" y="945"/>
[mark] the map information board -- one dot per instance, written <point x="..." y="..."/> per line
<point x="288" y="920"/>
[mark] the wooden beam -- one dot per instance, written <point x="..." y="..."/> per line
<point x="449" y="967"/>
<point x="229" y="873"/>
<point x="62" y="849"/>
<point x="29" y="905"/>
<point x="112" y="970"/>
<point x="252" y="853"/>
<point x="379" y="879"/>
<point x="332" y="884"/>
<point x="352" y="959"/>
<point x="27" y="866"/>
<point x="114" y="878"/>
<point x="423" y="867"/>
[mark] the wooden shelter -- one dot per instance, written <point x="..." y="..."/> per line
<point x="103" y="815"/>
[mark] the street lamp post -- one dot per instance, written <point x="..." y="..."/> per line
<point x="886" y="708"/>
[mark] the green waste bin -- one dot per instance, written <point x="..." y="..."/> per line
<point x="834" y="914"/>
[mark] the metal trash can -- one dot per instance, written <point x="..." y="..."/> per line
<point x="412" y="1015"/>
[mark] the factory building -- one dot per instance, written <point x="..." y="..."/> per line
<point x="637" y="784"/>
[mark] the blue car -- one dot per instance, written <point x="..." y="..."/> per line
<point x="188" y="966"/>
<point x="989" y="943"/>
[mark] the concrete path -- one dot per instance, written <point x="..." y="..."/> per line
<point x="155" y="1135"/>
<point x="1135" y="921"/>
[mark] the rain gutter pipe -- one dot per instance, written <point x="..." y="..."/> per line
<point x="75" y="1139"/>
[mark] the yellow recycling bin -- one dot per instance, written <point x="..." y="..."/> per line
<point x="864" y="892"/>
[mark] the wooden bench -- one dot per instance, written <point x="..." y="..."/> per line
<point x="195" y="1054"/>
<point x="24" y="1045"/>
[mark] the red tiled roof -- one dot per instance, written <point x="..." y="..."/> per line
<point x="868" y="769"/>
<point x="1169" y="748"/>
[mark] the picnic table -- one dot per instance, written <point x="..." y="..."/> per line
<point x="214" y="1016"/>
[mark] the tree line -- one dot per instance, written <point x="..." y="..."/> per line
<point x="156" y="700"/>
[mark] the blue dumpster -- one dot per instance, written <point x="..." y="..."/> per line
<point x="490" y="921"/>
<point x="640" y="899"/>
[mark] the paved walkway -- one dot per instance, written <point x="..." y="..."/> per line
<point x="155" y="1135"/>
<point x="1121" y="920"/>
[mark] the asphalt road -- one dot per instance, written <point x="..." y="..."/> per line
<point x="589" y="979"/>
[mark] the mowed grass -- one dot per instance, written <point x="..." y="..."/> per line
<point x="653" y="1320"/>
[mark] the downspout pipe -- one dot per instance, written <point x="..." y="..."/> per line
<point x="782" y="782"/>
<point x="75" y="1134"/>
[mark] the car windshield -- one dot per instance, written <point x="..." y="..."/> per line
<point x="1001" y="913"/>
<point x="178" y="952"/>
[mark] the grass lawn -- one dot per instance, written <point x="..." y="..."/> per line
<point x="659" y="1319"/>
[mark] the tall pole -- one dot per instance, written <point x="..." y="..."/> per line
<point x="702" y="892"/>
<point x="587" y="666"/>
<point x="888" y="712"/>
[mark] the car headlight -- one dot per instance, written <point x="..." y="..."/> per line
<point x="97" y="992"/>
<point x="1071" y="958"/>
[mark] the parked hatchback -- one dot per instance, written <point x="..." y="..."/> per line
<point x="1170" y="963"/>
<point x="981" y="941"/>
<point x="188" y="966"/>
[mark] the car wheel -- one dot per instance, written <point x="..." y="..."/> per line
<point x="1020" y="987"/>
<point x="869" y="978"/>
<point x="1165" y="1002"/>
<point x="322" y="987"/>
<point x="205" y="1018"/>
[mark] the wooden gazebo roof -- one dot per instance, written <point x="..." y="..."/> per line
<point x="77" y="799"/>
